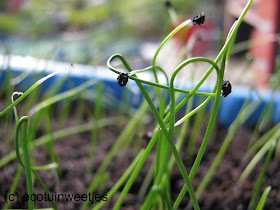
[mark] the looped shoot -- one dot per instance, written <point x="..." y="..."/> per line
<point x="153" y="67"/>
<point x="159" y="115"/>
<point x="164" y="135"/>
<point x="173" y="110"/>
<point x="135" y="78"/>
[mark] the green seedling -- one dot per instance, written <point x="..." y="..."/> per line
<point x="166" y="117"/>
<point x="263" y="198"/>
<point x="259" y="182"/>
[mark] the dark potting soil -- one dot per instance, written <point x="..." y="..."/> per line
<point x="73" y="151"/>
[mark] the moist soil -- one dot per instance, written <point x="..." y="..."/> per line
<point x="73" y="151"/>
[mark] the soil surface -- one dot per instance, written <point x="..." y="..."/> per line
<point x="73" y="151"/>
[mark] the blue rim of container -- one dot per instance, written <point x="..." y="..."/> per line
<point x="78" y="74"/>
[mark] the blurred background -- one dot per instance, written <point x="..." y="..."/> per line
<point x="89" y="31"/>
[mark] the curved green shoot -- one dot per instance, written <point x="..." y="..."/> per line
<point x="259" y="156"/>
<point x="259" y="182"/>
<point x="60" y="97"/>
<point x="23" y="122"/>
<point x="243" y="115"/>
<point x="172" y="95"/>
<point x="263" y="198"/>
<point x="136" y="79"/>
<point x="14" y="108"/>
<point x="59" y="135"/>
<point x="26" y="93"/>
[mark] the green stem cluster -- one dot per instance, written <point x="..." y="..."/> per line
<point x="166" y="120"/>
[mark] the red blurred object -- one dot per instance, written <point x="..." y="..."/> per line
<point x="265" y="53"/>
<point x="15" y="5"/>
<point x="263" y="16"/>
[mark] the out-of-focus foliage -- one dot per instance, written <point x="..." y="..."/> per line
<point x="8" y="22"/>
<point x="275" y="78"/>
<point x="41" y="17"/>
<point x="83" y="30"/>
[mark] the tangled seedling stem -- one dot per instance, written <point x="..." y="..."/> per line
<point x="166" y="120"/>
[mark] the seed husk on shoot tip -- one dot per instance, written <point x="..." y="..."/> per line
<point x="226" y="88"/>
<point x="168" y="4"/>
<point x="199" y="19"/>
<point x="122" y="79"/>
